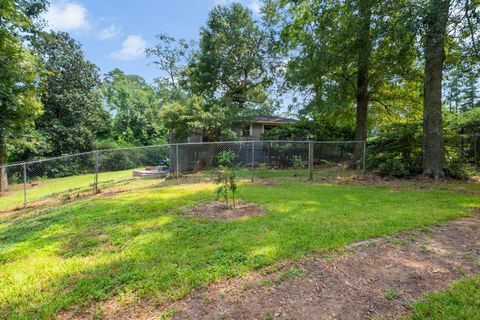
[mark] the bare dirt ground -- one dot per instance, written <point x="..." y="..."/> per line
<point x="376" y="278"/>
<point x="375" y="179"/>
<point x="218" y="210"/>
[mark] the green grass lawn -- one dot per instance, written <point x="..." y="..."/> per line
<point x="50" y="187"/>
<point x="142" y="244"/>
<point x="461" y="301"/>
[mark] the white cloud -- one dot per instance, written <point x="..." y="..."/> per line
<point x="109" y="33"/>
<point x="132" y="48"/>
<point x="64" y="15"/>
<point x="255" y="6"/>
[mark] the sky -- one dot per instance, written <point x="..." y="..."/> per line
<point x="115" y="33"/>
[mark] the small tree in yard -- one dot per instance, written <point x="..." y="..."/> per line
<point x="226" y="176"/>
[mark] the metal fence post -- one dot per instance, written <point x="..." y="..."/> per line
<point x="310" y="160"/>
<point x="475" y="149"/>
<point x="364" y="160"/>
<point x="253" y="158"/>
<point x="177" y="162"/>
<point x="269" y="159"/>
<point x="24" y="185"/>
<point x="97" y="164"/>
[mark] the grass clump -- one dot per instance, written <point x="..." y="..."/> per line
<point x="459" y="301"/>
<point x="290" y="274"/>
<point x="391" y="294"/>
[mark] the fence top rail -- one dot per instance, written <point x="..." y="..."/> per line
<point x="47" y="159"/>
<point x="470" y="135"/>
<point x="264" y="141"/>
<point x="93" y="152"/>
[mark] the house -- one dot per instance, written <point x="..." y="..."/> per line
<point x="252" y="131"/>
<point x="192" y="157"/>
<point x="259" y="125"/>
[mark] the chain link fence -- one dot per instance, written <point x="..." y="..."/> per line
<point x="469" y="146"/>
<point x="62" y="178"/>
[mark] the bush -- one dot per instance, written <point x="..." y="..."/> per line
<point x="397" y="151"/>
<point x="395" y="167"/>
<point x="458" y="169"/>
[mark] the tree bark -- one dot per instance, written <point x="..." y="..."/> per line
<point x="3" y="161"/>
<point x="435" y="30"/>
<point x="364" y="51"/>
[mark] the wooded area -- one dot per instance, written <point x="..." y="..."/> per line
<point x="401" y="73"/>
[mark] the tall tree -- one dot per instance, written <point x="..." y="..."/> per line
<point x="230" y="68"/>
<point x="73" y="107"/>
<point x="451" y="31"/>
<point x="436" y="21"/>
<point x="19" y="70"/>
<point x="171" y="57"/>
<point x="230" y="63"/>
<point x="338" y="51"/>
<point x="135" y="108"/>
<point x="364" y="45"/>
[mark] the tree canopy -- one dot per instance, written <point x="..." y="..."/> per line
<point x="351" y="70"/>
<point x="135" y="108"/>
<point x="19" y="71"/>
<point x="223" y="81"/>
<point x="73" y="111"/>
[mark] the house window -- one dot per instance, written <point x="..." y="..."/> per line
<point x="246" y="132"/>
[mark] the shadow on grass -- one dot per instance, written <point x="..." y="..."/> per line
<point x="140" y="242"/>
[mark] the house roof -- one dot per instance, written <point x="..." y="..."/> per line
<point x="273" y="119"/>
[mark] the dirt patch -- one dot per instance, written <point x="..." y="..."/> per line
<point x="35" y="184"/>
<point x="6" y="193"/>
<point x="266" y="182"/>
<point x="129" y="307"/>
<point x="373" y="179"/>
<point x="220" y="211"/>
<point x="419" y="183"/>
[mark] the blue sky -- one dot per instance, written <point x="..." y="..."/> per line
<point x="114" y="34"/>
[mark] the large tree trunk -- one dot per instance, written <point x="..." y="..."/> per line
<point x="3" y="161"/>
<point x="364" y="47"/>
<point x="436" y="26"/>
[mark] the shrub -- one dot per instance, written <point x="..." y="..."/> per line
<point x="458" y="169"/>
<point x="395" y="167"/>
<point x="226" y="176"/>
<point x="397" y="152"/>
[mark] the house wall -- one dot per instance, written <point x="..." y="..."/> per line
<point x="257" y="131"/>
